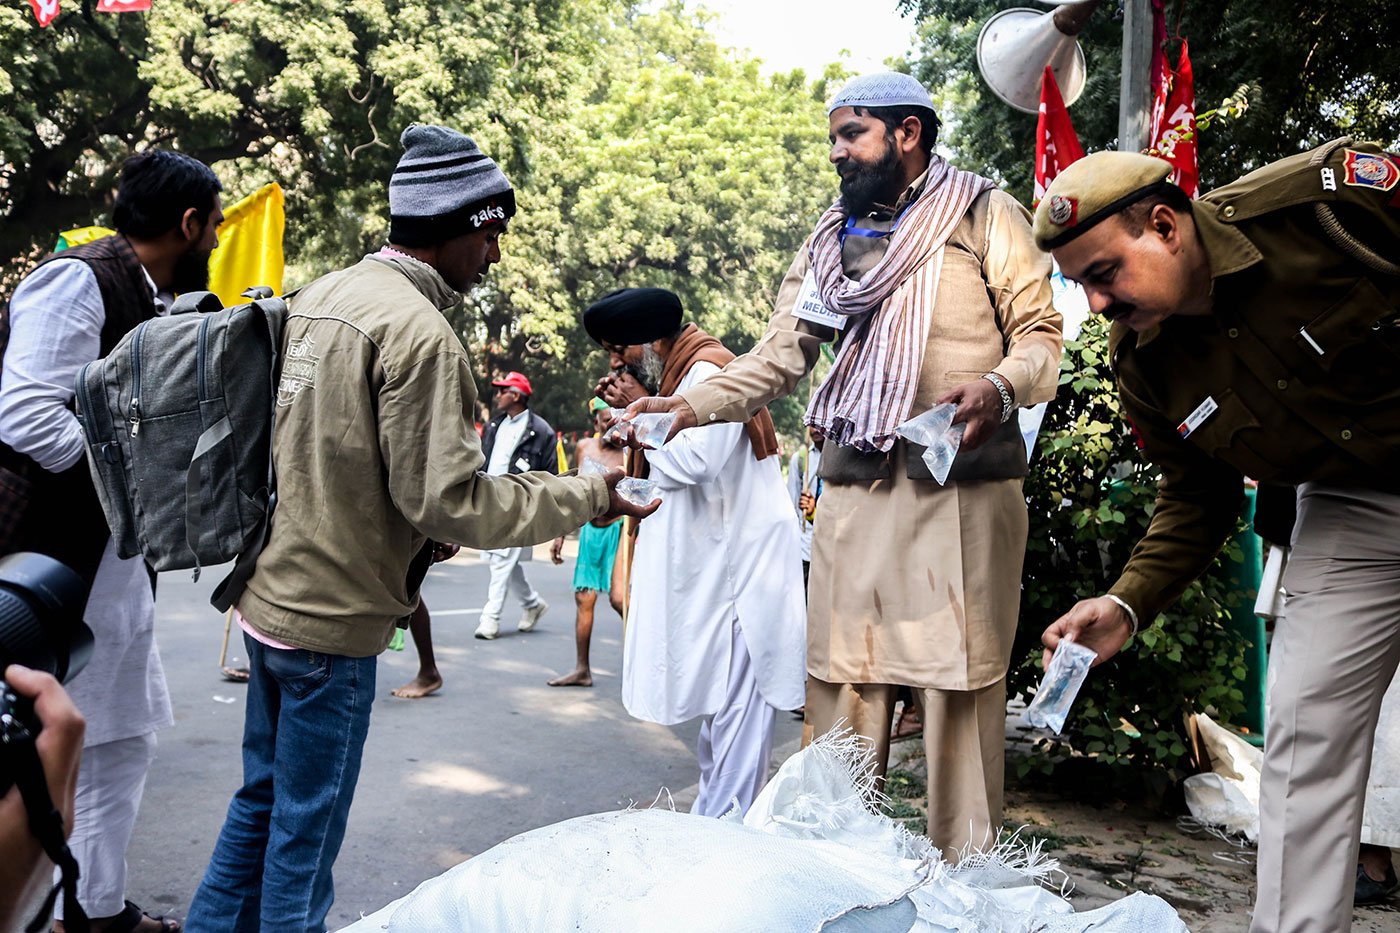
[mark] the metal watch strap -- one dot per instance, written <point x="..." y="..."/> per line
<point x="1008" y="404"/>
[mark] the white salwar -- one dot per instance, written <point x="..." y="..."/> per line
<point x="717" y="626"/>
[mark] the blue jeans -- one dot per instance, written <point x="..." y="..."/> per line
<point x="303" y="733"/>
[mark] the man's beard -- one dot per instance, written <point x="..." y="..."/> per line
<point x="870" y="183"/>
<point x="648" y="370"/>
<point x="191" y="273"/>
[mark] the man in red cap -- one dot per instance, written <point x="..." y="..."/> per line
<point x="516" y="441"/>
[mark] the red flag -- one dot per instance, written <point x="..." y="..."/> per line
<point x="1174" y="138"/>
<point x="45" y="11"/>
<point x="122" y="6"/>
<point x="1056" y="144"/>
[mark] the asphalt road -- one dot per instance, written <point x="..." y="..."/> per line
<point x="495" y="753"/>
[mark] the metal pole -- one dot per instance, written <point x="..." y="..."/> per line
<point x="1135" y="91"/>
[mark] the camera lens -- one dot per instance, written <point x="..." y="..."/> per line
<point x="41" y="611"/>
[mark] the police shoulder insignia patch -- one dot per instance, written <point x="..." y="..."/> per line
<point x="1370" y="170"/>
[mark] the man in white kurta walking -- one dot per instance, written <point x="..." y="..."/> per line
<point x="716" y="626"/>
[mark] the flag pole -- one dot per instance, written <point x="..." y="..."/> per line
<point x="626" y="550"/>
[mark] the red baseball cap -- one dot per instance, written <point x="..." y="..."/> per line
<point x="515" y="381"/>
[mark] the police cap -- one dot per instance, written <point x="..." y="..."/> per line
<point x="1093" y="189"/>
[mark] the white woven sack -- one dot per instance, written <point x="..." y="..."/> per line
<point x="639" y="870"/>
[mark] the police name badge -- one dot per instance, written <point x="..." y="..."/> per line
<point x="809" y="305"/>
<point x="1197" y="417"/>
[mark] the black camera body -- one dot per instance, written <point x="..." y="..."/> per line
<point x="41" y="627"/>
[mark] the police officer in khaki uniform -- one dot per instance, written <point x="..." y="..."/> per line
<point x="1255" y="334"/>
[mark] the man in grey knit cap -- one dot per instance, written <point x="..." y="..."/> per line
<point x="377" y="457"/>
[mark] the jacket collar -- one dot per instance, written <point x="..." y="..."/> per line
<point x="1228" y="251"/>
<point x="423" y="276"/>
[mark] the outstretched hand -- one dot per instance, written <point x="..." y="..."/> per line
<point x="618" y="506"/>
<point x="656" y="405"/>
<point x="1099" y="624"/>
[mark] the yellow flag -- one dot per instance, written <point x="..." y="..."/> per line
<point x="80" y="236"/>
<point x="250" y="246"/>
<point x="559" y="452"/>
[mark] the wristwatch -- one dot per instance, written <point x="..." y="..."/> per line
<point x="1008" y="404"/>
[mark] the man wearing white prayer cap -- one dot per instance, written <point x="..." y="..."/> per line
<point x="928" y="280"/>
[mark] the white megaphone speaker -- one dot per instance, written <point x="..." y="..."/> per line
<point x="1015" y="46"/>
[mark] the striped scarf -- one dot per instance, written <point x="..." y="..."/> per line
<point x="872" y="383"/>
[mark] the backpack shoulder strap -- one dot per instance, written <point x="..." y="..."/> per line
<point x="274" y="313"/>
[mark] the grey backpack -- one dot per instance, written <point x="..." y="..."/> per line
<point x="178" y="425"/>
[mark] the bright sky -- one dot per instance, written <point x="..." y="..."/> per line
<point x="809" y="34"/>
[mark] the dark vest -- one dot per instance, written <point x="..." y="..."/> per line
<point x="62" y="516"/>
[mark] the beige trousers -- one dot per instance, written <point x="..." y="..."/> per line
<point x="1333" y="657"/>
<point x="964" y="742"/>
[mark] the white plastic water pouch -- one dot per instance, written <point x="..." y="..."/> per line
<point x="649" y="430"/>
<point x="934" y="430"/>
<point x="592" y="467"/>
<point x="637" y="491"/>
<point x="1069" y="666"/>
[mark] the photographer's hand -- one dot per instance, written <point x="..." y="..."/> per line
<point x="25" y="870"/>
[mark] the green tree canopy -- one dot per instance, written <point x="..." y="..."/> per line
<point x="642" y="151"/>
<point x="683" y="168"/>
<point x="311" y="93"/>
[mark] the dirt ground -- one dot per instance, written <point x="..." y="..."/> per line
<point x="1110" y="850"/>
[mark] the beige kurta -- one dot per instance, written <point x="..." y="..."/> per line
<point x="911" y="582"/>
<point x="914" y="583"/>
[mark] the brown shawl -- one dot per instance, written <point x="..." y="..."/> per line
<point x="694" y="346"/>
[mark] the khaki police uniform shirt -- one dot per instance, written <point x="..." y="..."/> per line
<point x="1295" y="377"/>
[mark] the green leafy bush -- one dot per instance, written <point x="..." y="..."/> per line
<point x="1091" y="495"/>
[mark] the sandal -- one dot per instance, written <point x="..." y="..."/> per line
<point x="238" y="675"/>
<point x="131" y="917"/>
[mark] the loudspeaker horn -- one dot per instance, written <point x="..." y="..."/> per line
<point x="1015" y="46"/>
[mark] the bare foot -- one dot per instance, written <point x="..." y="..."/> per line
<point x="582" y="677"/>
<point x="420" y="686"/>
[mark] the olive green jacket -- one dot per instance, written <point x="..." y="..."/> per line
<point x="376" y="451"/>
<point x="1300" y="360"/>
